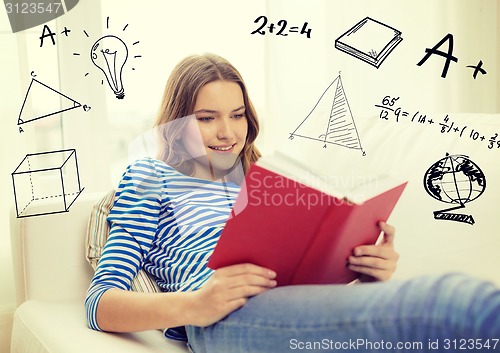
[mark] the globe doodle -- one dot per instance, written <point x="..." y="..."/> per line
<point x="454" y="179"/>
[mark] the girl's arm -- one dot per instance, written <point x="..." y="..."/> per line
<point x="228" y="289"/>
<point x="125" y="311"/>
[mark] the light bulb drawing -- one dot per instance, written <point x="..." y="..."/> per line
<point x="109" y="54"/>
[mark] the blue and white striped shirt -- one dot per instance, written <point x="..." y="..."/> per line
<point x="164" y="222"/>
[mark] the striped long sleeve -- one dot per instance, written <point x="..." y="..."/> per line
<point x="133" y="222"/>
<point x="165" y="223"/>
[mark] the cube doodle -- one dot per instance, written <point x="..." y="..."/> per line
<point x="47" y="175"/>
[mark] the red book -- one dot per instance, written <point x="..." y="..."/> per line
<point x="299" y="226"/>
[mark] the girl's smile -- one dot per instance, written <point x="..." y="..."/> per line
<point x="222" y="149"/>
<point x="216" y="137"/>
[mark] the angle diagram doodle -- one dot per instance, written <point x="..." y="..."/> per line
<point x="331" y="120"/>
<point x="55" y="102"/>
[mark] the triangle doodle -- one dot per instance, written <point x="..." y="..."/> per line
<point x="53" y="102"/>
<point x="331" y="120"/>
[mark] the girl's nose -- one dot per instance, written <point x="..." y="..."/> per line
<point x="224" y="130"/>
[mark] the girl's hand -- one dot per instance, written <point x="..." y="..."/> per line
<point x="227" y="290"/>
<point x="376" y="262"/>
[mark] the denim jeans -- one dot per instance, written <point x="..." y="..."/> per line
<point x="447" y="313"/>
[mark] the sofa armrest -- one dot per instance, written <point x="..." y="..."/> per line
<point x="59" y="327"/>
<point x="48" y="252"/>
<point x="52" y="276"/>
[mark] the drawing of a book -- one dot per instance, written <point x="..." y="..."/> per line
<point x="369" y="40"/>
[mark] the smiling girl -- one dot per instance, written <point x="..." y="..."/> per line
<point x="169" y="212"/>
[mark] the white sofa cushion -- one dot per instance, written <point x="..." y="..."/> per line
<point x="47" y="252"/>
<point x="59" y="327"/>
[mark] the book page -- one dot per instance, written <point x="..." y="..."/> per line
<point x="285" y="165"/>
<point x="356" y="189"/>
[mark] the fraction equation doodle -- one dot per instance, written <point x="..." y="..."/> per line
<point x="390" y="110"/>
<point x="281" y="28"/>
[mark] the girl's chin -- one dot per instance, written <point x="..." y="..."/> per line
<point x="223" y="162"/>
<point x="219" y="164"/>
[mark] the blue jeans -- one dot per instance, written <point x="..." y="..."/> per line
<point x="451" y="313"/>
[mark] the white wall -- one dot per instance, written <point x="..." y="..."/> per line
<point x="403" y="149"/>
<point x="497" y="31"/>
<point x="9" y="143"/>
<point x="311" y="65"/>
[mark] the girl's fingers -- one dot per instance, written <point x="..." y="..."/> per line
<point x="389" y="233"/>
<point x="247" y="268"/>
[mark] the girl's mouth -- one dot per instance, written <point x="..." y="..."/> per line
<point x="222" y="148"/>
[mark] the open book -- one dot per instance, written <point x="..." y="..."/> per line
<point x="301" y="225"/>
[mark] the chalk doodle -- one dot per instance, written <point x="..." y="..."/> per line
<point x="54" y="102"/>
<point x="110" y="54"/>
<point x="281" y="28"/>
<point x="477" y="69"/>
<point x="370" y="41"/>
<point x="46" y="175"/>
<point x="448" y="55"/>
<point x="390" y="110"/>
<point x="331" y="120"/>
<point x="455" y="180"/>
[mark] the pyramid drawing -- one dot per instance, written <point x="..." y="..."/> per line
<point x="331" y="120"/>
<point x="45" y="101"/>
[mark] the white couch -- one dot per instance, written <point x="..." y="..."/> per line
<point x="52" y="276"/>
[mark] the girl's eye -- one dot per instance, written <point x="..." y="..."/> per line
<point x="239" y="116"/>
<point x="205" y="118"/>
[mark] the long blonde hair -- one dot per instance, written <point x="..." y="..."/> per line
<point x="179" y="99"/>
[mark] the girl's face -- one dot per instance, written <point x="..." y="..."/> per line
<point x="217" y="135"/>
